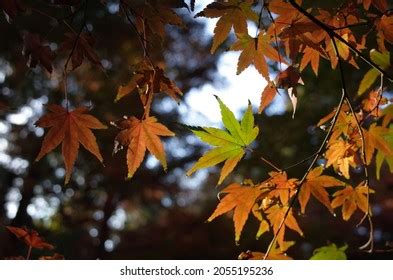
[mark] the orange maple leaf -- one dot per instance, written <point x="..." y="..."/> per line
<point x="231" y="14"/>
<point x="351" y="198"/>
<point x="275" y="215"/>
<point x="276" y="253"/>
<point x="254" y="51"/>
<point x="283" y="187"/>
<point x="315" y="184"/>
<point x="30" y="237"/>
<point x="70" y="128"/>
<point x="139" y="135"/>
<point x="374" y="139"/>
<point x="242" y="199"/>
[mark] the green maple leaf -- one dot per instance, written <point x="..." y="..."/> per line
<point x="230" y="143"/>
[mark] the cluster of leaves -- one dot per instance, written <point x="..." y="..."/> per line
<point x="295" y="38"/>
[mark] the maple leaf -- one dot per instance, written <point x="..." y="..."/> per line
<point x="230" y="143"/>
<point x="330" y="252"/>
<point x="372" y="103"/>
<point x="341" y="155"/>
<point x="283" y="187"/>
<point x="151" y="16"/>
<point x="36" y="52"/>
<point x="350" y="199"/>
<point x="381" y="156"/>
<point x="241" y="199"/>
<point x="254" y="51"/>
<point x="70" y="128"/>
<point x="11" y="8"/>
<point x="276" y="253"/>
<point x="289" y="79"/>
<point x="147" y="78"/>
<point x="381" y="5"/>
<point x="275" y="215"/>
<point x="30" y="237"/>
<point x="139" y="135"/>
<point x="375" y="140"/>
<point x="267" y="96"/>
<point x="231" y="14"/>
<point x="315" y="184"/>
<point x="81" y="46"/>
<point x="384" y="26"/>
<point x="383" y="61"/>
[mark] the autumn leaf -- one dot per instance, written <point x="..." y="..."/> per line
<point x="289" y="79"/>
<point x="149" y="79"/>
<point x="70" y="128"/>
<point x="276" y="253"/>
<point x="241" y="199"/>
<point x="350" y="199"/>
<point x="231" y="14"/>
<point x="381" y="156"/>
<point x="341" y="155"/>
<point x="375" y="141"/>
<point x="282" y="187"/>
<point x="315" y="184"/>
<point x="268" y="94"/>
<point x="230" y="144"/>
<point x="254" y="51"/>
<point x="139" y="135"/>
<point x="37" y="53"/>
<point x="384" y="27"/>
<point x="275" y="215"/>
<point x="81" y="46"/>
<point x="30" y="237"/>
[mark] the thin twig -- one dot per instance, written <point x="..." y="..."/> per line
<point x="271" y="164"/>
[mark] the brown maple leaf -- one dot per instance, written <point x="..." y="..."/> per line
<point x="267" y="96"/>
<point x="315" y="184"/>
<point x="70" y="128"/>
<point x="139" y="135"/>
<point x="350" y="199"/>
<point x="81" y="46"/>
<point x="149" y="79"/>
<point x="36" y="52"/>
<point x="241" y="199"/>
<point x="30" y="237"/>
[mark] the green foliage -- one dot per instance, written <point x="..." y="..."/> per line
<point x="330" y="252"/>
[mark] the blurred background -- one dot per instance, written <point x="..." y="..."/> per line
<point x="157" y="215"/>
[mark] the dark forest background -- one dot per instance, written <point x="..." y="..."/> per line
<point x="156" y="215"/>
